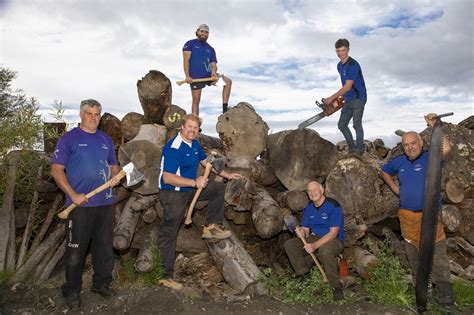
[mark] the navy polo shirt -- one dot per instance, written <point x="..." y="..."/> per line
<point x="181" y="158"/>
<point x="320" y="219"/>
<point x="202" y="55"/>
<point x="411" y="178"/>
<point x="351" y="70"/>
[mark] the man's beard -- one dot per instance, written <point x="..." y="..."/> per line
<point x="202" y="39"/>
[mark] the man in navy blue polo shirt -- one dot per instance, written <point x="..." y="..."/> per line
<point x="355" y="96"/>
<point x="84" y="159"/>
<point x="200" y="61"/>
<point x="178" y="182"/>
<point x="322" y="225"/>
<point x="411" y="170"/>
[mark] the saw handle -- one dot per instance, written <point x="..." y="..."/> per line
<point x="189" y="213"/>
<point x="321" y="270"/>
<point x="443" y="115"/>
<point x="181" y="82"/>
<point x="65" y="213"/>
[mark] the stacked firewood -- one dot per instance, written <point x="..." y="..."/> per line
<point x="276" y="168"/>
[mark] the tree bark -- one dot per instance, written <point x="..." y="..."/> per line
<point x="144" y="262"/>
<point x="40" y="268"/>
<point x="154" y="92"/>
<point x="144" y="202"/>
<point x="173" y="116"/>
<point x="243" y="131"/>
<point x="125" y="228"/>
<point x="466" y="228"/>
<point x="209" y="143"/>
<point x="47" y="222"/>
<point x="296" y="200"/>
<point x="451" y="218"/>
<point x="53" y="262"/>
<point x="300" y="156"/>
<point x="258" y="171"/>
<point x="454" y="191"/>
<point x="7" y="210"/>
<point x="112" y="126"/>
<point x="149" y="215"/>
<point x="266" y="214"/>
<point x="240" y="194"/>
<point x="131" y="124"/>
<point x="360" y="259"/>
<point x="154" y="133"/>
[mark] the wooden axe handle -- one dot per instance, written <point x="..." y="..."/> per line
<point x="189" y="213"/>
<point x="199" y="80"/>
<point x="65" y="213"/>
<point x="325" y="278"/>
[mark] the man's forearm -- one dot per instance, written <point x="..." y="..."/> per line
<point x="178" y="181"/>
<point x="387" y="178"/>
<point x="61" y="180"/>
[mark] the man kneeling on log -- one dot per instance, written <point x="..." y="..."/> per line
<point x="322" y="225"/>
<point x="178" y="183"/>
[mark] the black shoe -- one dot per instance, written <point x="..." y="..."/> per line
<point x="73" y="302"/>
<point x="105" y="292"/>
<point x="225" y="107"/>
<point x="338" y="294"/>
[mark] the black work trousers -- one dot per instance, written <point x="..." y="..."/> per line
<point x="174" y="206"/>
<point x="92" y="226"/>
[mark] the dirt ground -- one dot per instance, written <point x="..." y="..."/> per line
<point x="24" y="299"/>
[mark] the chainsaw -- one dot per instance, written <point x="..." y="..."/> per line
<point x="327" y="110"/>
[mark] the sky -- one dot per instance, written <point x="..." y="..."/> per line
<point x="417" y="57"/>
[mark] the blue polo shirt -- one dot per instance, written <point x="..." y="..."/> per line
<point x="411" y="178"/>
<point x="202" y="54"/>
<point x="320" y="219"/>
<point x="181" y="158"/>
<point x="351" y="70"/>
<point x="86" y="158"/>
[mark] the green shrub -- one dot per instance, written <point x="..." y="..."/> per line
<point x="150" y="278"/>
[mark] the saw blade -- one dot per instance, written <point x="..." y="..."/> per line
<point x="429" y="221"/>
<point x="312" y="120"/>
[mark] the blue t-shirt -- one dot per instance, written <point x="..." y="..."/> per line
<point x="202" y="54"/>
<point x="411" y="178"/>
<point x="351" y="70"/>
<point x="86" y="158"/>
<point x="181" y="158"/>
<point x="320" y="219"/>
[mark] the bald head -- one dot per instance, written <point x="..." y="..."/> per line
<point x="412" y="144"/>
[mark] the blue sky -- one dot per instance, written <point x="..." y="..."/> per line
<point x="416" y="56"/>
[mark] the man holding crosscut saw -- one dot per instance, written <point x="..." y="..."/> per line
<point x="179" y="183"/>
<point x="200" y="68"/>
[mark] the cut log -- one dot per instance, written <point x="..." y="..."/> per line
<point x="240" y="194"/>
<point x="144" y="202"/>
<point x="149" y="215"/>
<point x="131" y="123"/>
<point x="7" y="209"/>
<point x="125" y="228"/>
<point x="173" y="116"/>
<point x="209" y="143"/>
<point x="466" y="228"/>
<point x="121" y="193"/>
<point x="243" y="131"/>
<point x="47" y="222"/>
<point x="296" y="200"/>
<point x="154" y="92"/>
<point x="36" y="256"/>
<point x="112" y="126"/>
<point x="451" y="218"/>
<point x="38" y="271"/>
<point x="360" y="259"/>
<point x="53" y="262"/>
<point x="259" y="171"/>
<point x="154" y="133"/>
<point x="27" y="232"/>
<point x="145" y="262"/>
<point x="267" y="216"/>
<point x="467" y="123"/>
<point x="355" y="229"/>
<point x="454" y="191"/>
<point x="145" y="156"/>
<point x="300" y="156"/>
<point x="356" y="185"/>
<point x="465" y="245"/>
<point x="380" y="149"/>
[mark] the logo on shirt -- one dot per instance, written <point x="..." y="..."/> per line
<point x="324" y="216"/>
<point x="56" y="153"/>
<point x="104" y="146"/>
<point x="418" y="167"/>
<point x="83" y="144"/>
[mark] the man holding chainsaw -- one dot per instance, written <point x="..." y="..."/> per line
<point x="355" y="95"/>
<point x="411" y="170"/>
<point x="200" y="61"/>
<point x="84" y="159"/>
<point x="178" y="182"/>
<point x="322" y="225"/>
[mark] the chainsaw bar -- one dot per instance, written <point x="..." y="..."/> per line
<point x="312" y="120"/>
<point x="430" y="218"/>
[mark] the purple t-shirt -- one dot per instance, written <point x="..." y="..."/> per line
<point x="202" y="55"/>
<point x="86" y="157"/>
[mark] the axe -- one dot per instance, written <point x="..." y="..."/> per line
<point x="216" y="79"/>
<point x="291" y="223"/>
<point x="133" y="178"/>
<point x="211" y="161"/>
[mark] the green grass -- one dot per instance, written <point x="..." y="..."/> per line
<point x="310" y="290"/>
<point x="150" y="278"/>
<point x="463" y="294"/>
<point x="5" y="277"/>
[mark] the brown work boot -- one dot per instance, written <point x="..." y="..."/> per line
<point x="170" y="283"/>
<point x="215" y="231"/>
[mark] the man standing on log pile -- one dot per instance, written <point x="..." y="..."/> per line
<point x="411" y="170"/>
<point x="84" y="159"/>
<point x="178" y="183"/>
<point x="200" y="61"/>
<point x="322" y="225"/>
<point x="355" y="96"/>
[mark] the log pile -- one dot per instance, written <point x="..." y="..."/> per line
<point x="276" y="168"/>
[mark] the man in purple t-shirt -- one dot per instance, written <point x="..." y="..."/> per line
<point x="200" y="61"/>
<point x="84" y="159"/>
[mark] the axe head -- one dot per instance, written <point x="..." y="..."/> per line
<point x="218" y="163"/>
<point x="291" y="222"/>
<point x="133" y="175"/>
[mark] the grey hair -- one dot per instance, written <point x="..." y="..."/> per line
<point x="90" y="103"/>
